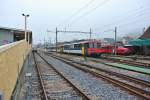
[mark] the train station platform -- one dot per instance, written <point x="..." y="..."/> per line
<point x="12" y="57"/>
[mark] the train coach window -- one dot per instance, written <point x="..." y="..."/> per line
<point x="77" y="46"/>
<point x="86" y="45"/>
<point x="98" y="45"/>
<point x="90" y="45"/>
<point x="66" y="47"/>
<point x="95" y="45"/>
<point x="71" y="46"/>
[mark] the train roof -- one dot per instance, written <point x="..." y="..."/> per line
<point x="81" y="41"/>
<point x="76" y="42"/>
<point x="13" y="29"/>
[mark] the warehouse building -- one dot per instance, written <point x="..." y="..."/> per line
<point x="9" y="35"/>
<point x="142" y="44"/>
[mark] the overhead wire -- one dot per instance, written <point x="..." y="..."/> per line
<point x="126" y="17"/>
<point x="147" y="18"/>
<point x="128" y="22"/>
<point x="78" y="11"/>
<point x="90" y="11"/>
<point x="140" y="15"/>
<point x="134" y="21"/>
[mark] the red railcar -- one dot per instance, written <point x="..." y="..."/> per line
<point x="109" y="49"/>
<point x="91" y="47"/>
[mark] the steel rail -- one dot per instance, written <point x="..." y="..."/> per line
<point x="119" y="67"/>
<point x="134" y="90"/>
<point x="136" y="80"/>
<point x="44" y="95"/>
<point x="129" y="62"/>
<point x="139" y="57"/>
<point x="85" y="96"/>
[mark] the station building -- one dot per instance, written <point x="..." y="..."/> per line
<point x="142" y="44"/>
<point x="14" y="49"/>
<point x="9" y="35"/>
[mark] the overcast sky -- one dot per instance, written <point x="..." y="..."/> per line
<point x="130" y="16"/>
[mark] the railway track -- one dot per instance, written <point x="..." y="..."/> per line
<point x="129" y="62"/>
<point x="54" y="85"/>
<point x="132" y="85"/>
<point x="132" y="62"/>
<point x="140" y="57"/>
<point x="116" y="64"/>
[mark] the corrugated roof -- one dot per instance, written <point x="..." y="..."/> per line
<point x="12" y="29"/>
<point x="146" y="34"/>
<point x="140" y="42"/>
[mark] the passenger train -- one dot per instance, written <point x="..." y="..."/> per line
<point x="89" y="48"/>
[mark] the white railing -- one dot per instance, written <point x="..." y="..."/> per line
<point x="7" y="46"/>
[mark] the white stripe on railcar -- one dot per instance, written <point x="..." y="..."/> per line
<point x="73" y="51"/>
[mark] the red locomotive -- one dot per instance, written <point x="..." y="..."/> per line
<point x="109" y="49"/>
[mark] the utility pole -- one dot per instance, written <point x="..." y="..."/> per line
<point x="115" y="40"/>
<point x="44" y="44"/>
<point x="49" y="41"/>
<point x="90" y="33"/>
<point x="25" y="27"/>
<point x="143" y="30"/>
<point x="56" y="39"/>
<point x="67" y="32"/>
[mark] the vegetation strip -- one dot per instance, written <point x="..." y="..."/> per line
<point x="133" y="68"/>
